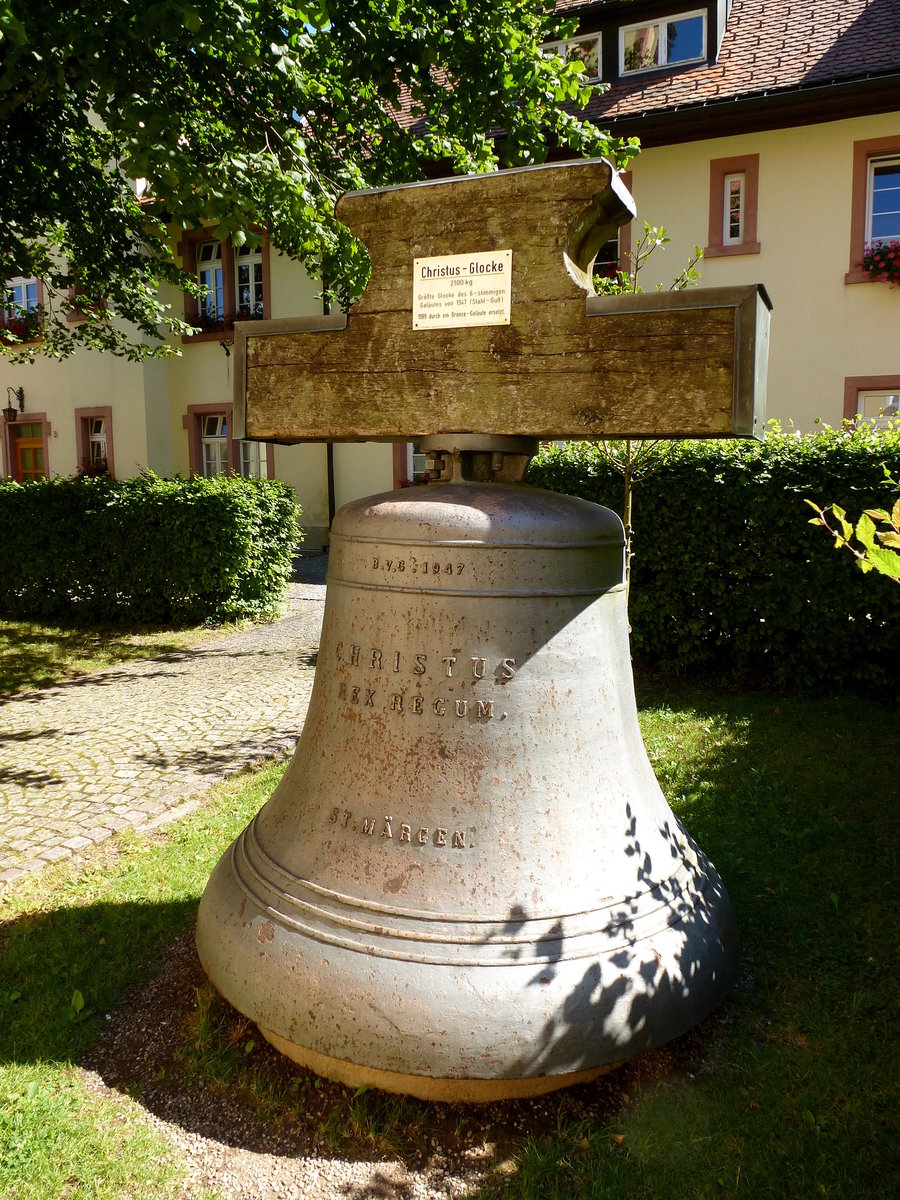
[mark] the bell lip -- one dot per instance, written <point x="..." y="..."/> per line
<point x="458" y="1090"/>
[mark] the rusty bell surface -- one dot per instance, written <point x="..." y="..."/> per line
<point x="468" y="884"/>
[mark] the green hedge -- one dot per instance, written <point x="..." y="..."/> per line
<point x="729" y="575"/>
<point x="145" y="550"/>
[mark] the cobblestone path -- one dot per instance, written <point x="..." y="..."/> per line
<point x="125" y="746"/>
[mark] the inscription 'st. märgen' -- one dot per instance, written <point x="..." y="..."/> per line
<point x="454" y="291"/>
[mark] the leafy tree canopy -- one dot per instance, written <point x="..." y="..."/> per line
<point x="248" y="114"/>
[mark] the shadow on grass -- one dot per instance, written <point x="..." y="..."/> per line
<point x="791" y="1089"/>
<point x="97" y="950"/>
<point x="35" y="656"/>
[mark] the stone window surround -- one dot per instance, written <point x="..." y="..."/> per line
<point x="863" y="153"/>
<point x="854" y="384"/>
<point x="719" y="168"/>
<point x="191" y="422"/>
<point x="187" y="248"/>
<point x="82" y="436"/>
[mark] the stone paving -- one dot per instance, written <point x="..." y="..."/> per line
<point x="130" y="745"/>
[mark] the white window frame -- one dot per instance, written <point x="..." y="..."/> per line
<point x="729" y="238"/>
<point x="416" y="461"/>
<point x="662" y="24"/>
<point x="253" y="460"/>
<point x="209" y="263"/>
<point x="562" y="47"/>
<point x="96" y="440"/>
<point x="16" y="293"/>
<point x="214" y="458"/>
<point x="889" y="409"/>
<point x="614" y="260"/>
<point x="891" y="160"/>
<point x="252" y="259"/>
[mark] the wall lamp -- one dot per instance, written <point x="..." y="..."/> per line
<point x="13" y="394"/>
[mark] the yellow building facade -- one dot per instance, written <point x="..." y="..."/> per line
<point x="833" y="327"/>
<point x="772" y="142"/>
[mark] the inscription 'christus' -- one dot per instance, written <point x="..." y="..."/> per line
<point x="447" y="666"/>
<point x="403" y="833"/>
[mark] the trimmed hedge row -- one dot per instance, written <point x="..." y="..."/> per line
<point x="728" y="573"/>
<point x="167" y="551"/>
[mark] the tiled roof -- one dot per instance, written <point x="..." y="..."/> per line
<point x="769" y="47"/>
<point x="774" y="52"/>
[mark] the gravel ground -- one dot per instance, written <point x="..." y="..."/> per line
<point x="233" y="1152"/>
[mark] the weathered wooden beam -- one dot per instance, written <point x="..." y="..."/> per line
<point x="480" y="317"/>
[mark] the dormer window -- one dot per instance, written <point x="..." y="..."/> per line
<point x="584" y="49"/>
<point x="667" y="42"/>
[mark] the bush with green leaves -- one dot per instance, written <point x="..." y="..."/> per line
<point x="146" y="550"/>
<point x="729" y="575"/>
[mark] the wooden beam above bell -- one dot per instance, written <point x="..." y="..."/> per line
<point x="480" y="317"/>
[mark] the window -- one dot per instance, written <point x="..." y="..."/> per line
<point x="209" y="273"/>
<point x="249" y="282"/>
<point x="872" y="398"/>
<point x="21" y="296"/>
<point x="410" y="464"/>
<point x="606" y="264"/>
<point x="584" y="49"/>
<point x="214" y="444"/>
<point x="94" y="441"/>
<point x="874" y="201"/>
<point x="615" y="255"/>
<point x="19" y="313"/>
<point x="254" y="460"/>
<point x="733" y="206"/>
<point x="212" y="451"/>
<point x="878" y="407"/>
<point x="235" y="281"/>
<point x="664" y="43"/>
<point x="733" y="203"/>
<point x="883" y="201"/>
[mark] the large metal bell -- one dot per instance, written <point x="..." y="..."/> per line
<point x="468" y="884"/>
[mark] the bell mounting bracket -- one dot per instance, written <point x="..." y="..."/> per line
<point x="480" y="318"/>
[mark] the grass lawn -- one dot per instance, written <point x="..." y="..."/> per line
<point x="34" y="655"/>
<point x="791" y="1090"/>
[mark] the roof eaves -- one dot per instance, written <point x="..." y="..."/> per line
<point x="807" y="103"/>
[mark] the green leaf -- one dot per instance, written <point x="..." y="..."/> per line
<point x="865" y="531"/>
<point x="886" y="562"/>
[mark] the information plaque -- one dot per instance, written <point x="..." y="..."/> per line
<point x="455" y="291"/>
